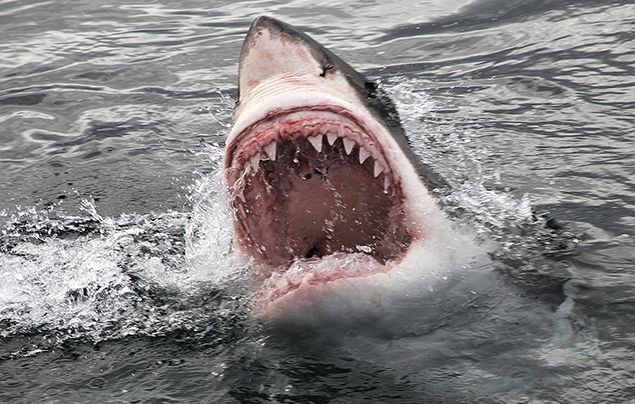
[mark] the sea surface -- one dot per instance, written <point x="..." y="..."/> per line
<point x="117" y="282"/>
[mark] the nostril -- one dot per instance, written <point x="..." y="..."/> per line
<point x="325" y="69"/>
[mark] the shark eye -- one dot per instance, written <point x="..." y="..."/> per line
<point x="326" y="68"/>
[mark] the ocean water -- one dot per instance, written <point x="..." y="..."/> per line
<point x="117" y="282"/>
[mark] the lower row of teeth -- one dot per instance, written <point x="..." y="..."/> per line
<point x="316" y="141"/>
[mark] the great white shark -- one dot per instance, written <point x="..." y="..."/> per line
<point x="325" y="188"/>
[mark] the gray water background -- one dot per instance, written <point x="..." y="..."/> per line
<point x="113" y="119"/>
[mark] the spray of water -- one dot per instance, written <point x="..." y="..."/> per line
<point x="94" y="278"/>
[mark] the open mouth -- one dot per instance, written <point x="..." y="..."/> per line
<point x="309" y="183"/>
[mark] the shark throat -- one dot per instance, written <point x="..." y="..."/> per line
<point x="307" y="184"/>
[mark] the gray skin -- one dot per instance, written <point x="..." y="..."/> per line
<point x="374" y="98"/>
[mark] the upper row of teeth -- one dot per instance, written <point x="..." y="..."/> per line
<point x="316" y="142"/>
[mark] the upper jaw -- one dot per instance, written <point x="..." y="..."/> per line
<point x="285" y="92"/>
<point x="313" y="123"/>
<point x="275" y="99"/>
<point x="263" y="114"/>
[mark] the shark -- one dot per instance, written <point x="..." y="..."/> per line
<point x="326" y="190"/>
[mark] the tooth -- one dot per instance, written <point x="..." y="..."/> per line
<point x="270" y="151"/>
<point x="316" y="142"/>
<point x="348" y="145"/>
<point x="241" y="196"/>
<point x="341" y="131"/>
<point x="245" y="172"/>
<point x="363" y="155"/>
<point x="378" y="169"/>
<point x="331" y="137"/>
<point x="255" y="161"/>
<point x="386" y="183"/>
<point x="311" y="129"/>
<point x="241" y="211"/>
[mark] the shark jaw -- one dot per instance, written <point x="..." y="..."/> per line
<point x="321" y="179"/>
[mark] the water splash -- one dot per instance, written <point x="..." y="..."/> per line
<point x="455" y="153"/>
<point x="505" y="225"/>
<point x="95" y="278"/>
<point x="208" y="232"/>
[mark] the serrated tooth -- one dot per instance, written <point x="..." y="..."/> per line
<point x="331" y="137"/>
<point x="254" y="161"/>
<point x="378" y="169"/>
<point x="241" y="211"/>
<point x="316" y="142"/>
<point x="242" y="196"/>
<point x="310" y="130"/>
<point x="244" y="172"/>
<point x="341" y="130"/>
<point x="348" y="145"/>
<point x="386" y="183"/>
<point x="363" y="155"/>
<point x="270" y="150"/>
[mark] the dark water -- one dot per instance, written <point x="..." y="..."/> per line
<point x="116" y="279"/>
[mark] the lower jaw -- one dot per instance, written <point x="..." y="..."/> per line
<point x="308" y="282"/>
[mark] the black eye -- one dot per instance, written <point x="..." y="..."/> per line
<point x="325" y="69"/>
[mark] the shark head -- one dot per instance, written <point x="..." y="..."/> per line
<point x="322" y="180"/>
